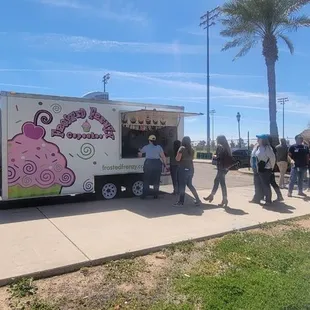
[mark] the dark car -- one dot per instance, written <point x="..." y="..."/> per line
<point x="241" y="158"/>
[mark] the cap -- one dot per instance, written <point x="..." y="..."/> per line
<point x="262" y="136"/>
<point x="152" y="138"/>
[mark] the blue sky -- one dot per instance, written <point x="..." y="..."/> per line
<point x="155" y="52"/>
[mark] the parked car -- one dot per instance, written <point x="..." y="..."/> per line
<point x="241" y="158"/>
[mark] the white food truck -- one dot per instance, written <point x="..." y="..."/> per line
<point x="55" y="146"/>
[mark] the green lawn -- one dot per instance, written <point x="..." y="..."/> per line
<point x="267" y="269"/>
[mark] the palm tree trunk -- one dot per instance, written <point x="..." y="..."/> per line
<point x="271" y="78"/>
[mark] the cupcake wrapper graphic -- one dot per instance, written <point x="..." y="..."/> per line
<point x="17" y="191"/>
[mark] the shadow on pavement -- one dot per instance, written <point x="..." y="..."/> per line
<point x="148" y="208"/>
<point x="280" y="207"/>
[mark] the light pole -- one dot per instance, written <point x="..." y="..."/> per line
<point x="105" y="80"/>
<point x="212" y="112"/>
<point x="282" y="101"/>
<point x="238" y="116"/>
<point x="206" y="21"/>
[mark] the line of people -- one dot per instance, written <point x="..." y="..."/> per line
<point x="182" y="169"/>
<point x="264" y="159"/>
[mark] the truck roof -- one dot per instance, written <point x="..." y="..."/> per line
<point x="79" y="99"/>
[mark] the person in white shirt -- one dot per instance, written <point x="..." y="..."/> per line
<point x="263" y="161"/>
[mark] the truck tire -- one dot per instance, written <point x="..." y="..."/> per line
<point x="107" y="188"/>
<point x="110" y="191"/>
<point x="135" y="187"/>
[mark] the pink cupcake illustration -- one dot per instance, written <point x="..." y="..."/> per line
<point x="35" y="166"/>
<point x="86" y="126"/>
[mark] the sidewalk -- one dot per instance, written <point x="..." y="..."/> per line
<point x="203" y="161"/>
<point x="56" y="239"/>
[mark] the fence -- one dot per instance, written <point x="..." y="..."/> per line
<point x="201" y="146"/>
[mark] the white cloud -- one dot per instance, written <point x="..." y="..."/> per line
<point x="117" y="10"/>
<point x="24" y="86"/>
<point x="83" y="44"/>
<point x="166" y="75"/>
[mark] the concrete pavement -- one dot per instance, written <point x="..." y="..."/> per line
<point x="52" y="240"/>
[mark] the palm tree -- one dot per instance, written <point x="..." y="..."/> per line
<point x="248" y="22"/>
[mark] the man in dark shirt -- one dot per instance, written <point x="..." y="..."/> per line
<point x="299" y="155"/>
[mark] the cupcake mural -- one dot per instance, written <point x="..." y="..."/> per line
<point x="86" y="126"/>
<point x="36" y="167"/>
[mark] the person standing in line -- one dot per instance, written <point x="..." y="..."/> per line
<point x="174" y="165"/>
<point x="223" y="162"/>
<point x="299" y="157"/>
<point x="282" y="160"/>
<point x="185" y="158"/>
<point x="273" y="182"/>
<point x="154" y="159"/>
<point x="263" y="161"/>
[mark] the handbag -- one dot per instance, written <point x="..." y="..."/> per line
<point x="261" y="166"/>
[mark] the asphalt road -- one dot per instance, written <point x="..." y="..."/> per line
<point x="205" y="174"/>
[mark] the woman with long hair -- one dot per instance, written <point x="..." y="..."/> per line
<point x="263" y="161"/>
<point x="223" y="162"/>
<point x="154" y="159"/>
<point x="174" y="165"/>
<point x="185" y="158"/>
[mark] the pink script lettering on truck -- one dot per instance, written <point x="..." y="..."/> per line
<point x="68" y="119"/>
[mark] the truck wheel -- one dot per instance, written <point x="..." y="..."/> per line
<point x="137" y="188"/>
<point x="134" y="187"/>
<point x="110" y="190"/>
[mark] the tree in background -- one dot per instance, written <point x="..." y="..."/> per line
<point x="248" y="22"/>
<point x="201" y="145"/>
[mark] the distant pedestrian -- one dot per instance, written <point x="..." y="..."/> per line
<point x="154" y="159"/>
<point x="273" y="182"/>
<point x="185" y="158"/>
<point x="282" y="160"/>
<point x="174" y="165"/>
<point x="223" y="162"/>
<point x="262" y="161"/>
<point x="299" y="156"/>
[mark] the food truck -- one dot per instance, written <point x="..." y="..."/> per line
<point x="55" y="145"/>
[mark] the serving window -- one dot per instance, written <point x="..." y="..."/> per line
<point x="137" y="126"/>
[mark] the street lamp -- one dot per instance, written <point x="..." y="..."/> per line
<point x="206" y="21"/>
<point x="212" y="112"/>
<point x="238" y="116"/>
<point x="282" y="101"/>
<point x="105" y="80"/>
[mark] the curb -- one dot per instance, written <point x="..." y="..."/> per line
<point x="58" y="271"/>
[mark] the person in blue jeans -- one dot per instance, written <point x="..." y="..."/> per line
<point x="185" y="158"/>
<point x="223" y="163"/>
<point x="174" y="166"/>
<point x="299" y="156"/>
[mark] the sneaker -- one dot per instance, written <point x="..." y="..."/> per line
<point x="302" y="194"/>
<point x="197" y="203"/>
<point x="289" y="195"/>
<point x="178" y="204"/>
